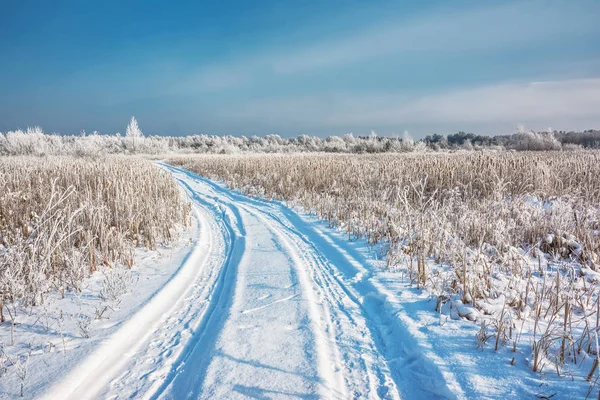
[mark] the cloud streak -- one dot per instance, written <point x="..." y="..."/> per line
<point x="445" y="32"/>
<point x="552" y="103"/>
<point x="481" y="29"/>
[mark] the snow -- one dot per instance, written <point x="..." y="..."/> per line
<point x="272" y="303"/>
<point x="93" y="374"/>
<point x="371" y="356"/>
<point x="50" y="333"/>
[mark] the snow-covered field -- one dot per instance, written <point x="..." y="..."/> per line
<point x="262" y="301"/>
<point x="51" y="340"/>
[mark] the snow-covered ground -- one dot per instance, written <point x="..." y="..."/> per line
<point x="52" y="339"/>
<point x="271" y="303"/>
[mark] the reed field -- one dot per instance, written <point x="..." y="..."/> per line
<point x="510" y="240"/>
<point x="505" y="242"/>
<point x="62" y="217"/>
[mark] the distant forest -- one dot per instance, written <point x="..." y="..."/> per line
<point x="589" y="139"/>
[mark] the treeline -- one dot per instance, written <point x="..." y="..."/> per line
<point x="554" y="140"/>
<point x="34" y="141"/>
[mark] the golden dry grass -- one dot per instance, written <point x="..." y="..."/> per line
<point x="60" y="217"/>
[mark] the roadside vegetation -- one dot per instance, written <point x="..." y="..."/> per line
<point x="510" y="241"/>
<point x="61" y="218"/>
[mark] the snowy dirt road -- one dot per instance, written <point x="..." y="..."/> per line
<point x="265" y="307"/>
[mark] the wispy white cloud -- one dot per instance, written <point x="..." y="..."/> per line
<point x="553" y="103"/>
<point x="485" y="28"/>
<point x="536" y="101"/>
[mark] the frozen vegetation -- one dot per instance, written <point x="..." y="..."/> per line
<point x="509" y="242"/>
<point x="431" y="274"/>
<point x="62" y="221"/>
<point x="33" y="141"/>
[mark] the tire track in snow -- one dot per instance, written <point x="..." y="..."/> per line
<point x="330" y="365"/>
<point x="331" y="383"/>
<point x="184" y="342"/>
<point x="416" y="372"/>
<point x="92" y="376"/>
<point x="359" y="370"/>
<point x="187" y="374"/>
<point x="341" y="323"/>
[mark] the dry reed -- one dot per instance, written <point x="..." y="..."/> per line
<point x="61" y="217"/>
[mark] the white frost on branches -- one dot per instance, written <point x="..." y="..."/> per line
<point x="133" y="132"/>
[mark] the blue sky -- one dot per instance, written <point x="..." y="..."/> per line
<point x="292" y="67"/>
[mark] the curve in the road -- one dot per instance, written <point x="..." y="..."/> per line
<point x="92" y="376"/>
<point x="194" y="357"/>
<point x="414" y="374"/>
<point x="311" y="370"/>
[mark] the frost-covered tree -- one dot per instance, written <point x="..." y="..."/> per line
<point x="407" y="142"/>
<point x="133" y="132"/>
